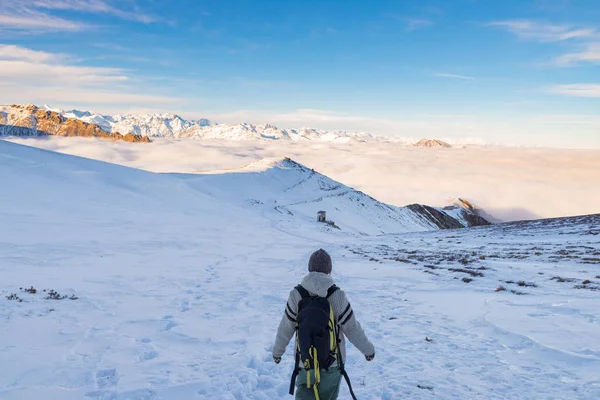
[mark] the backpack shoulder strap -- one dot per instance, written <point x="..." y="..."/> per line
<point x="303" y="292"/>
<point x="332" y="290"/>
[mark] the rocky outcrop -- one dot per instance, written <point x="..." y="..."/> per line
<point x="472" y="213"/>
<point x="439" y="218"/>
<point x="451" y="217"/>
<point x="432" y="143"/>
<point x="29" y="120"/>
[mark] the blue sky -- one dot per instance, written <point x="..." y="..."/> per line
<point x="525" y="72"/>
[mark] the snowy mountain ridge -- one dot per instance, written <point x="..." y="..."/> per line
<point x="30" y="120"/>
<point x="170" y="125"/>
<point x="294" y="193"/>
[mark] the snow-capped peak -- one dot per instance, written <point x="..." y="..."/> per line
<point x="174" y="126"/>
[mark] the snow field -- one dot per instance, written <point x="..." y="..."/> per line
<point x="181" y="286"/>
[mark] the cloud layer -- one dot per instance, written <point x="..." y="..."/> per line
<point x="510" y="183"/>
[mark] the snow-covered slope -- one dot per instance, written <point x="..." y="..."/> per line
<point x="297" y="193"/>
<point x="175" y="286"/>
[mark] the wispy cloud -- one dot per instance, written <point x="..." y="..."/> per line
<point x="70" y="95"/>
<point x="95" y="6"/>
<point x="591" y="54"/>
<point x="584" y="41"/>
<point x="28" y="75"/>
<point x="528" y="29"/>
<point x="23" y="19"/>
<point x="34" y="16"/>
<point x="412" y="24"/>
<point x="39" y="67"/>
<point x="454" y="76"/>
<point x="577" y="90"/>
<point x="11" y="52"/>
<point x="569" y="119"/>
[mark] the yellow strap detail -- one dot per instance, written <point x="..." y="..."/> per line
<point x="332" y="333"/>
<point x="308" y="378"/>
<point x="316" y="392"/>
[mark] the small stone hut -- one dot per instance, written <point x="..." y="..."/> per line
<point x="322" y="216"/>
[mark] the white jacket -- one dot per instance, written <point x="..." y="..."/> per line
<point x="317" y="283"/>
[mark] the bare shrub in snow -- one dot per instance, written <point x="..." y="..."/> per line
<point x="13" y="296"/>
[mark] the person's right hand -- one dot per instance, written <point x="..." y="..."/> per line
<point x="369" y="358"/>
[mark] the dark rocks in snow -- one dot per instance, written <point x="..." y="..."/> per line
<point x="443" y="220"/>
<point x="466" y="271"/>
<point x="13" y="296"/>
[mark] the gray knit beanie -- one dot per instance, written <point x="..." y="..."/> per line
<point x="320" y="261"/>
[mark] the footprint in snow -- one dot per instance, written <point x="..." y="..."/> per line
<point x="107" y="378"/>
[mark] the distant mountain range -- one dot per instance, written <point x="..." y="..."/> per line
<point x="169" y="125"/>
<point x="31" y="120"/>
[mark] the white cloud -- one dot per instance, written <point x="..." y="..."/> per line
<point x="569" y="119"/>
<point x="27" y="20"/>
<point x="577" y="90"/>
<point x="32" y="15"/>
<point x="94" y="6"/>
<point x="528" y="29"/>
<point x="591" y="54"/>
<point x="20" y="64"/>
<point x="33" y="76"/>
<point x="73" y="95"/>
<point x="413" y="24"/>
<point x="12" y="52"/>
<point x="454" y="76"/>
<point x="41" y="73"/>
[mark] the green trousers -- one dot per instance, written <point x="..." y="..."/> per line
<point x="328" y="388"/>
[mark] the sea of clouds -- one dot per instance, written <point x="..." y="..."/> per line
<point x="509" y="183"/>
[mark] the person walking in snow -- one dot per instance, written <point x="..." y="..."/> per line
<point x="320" y="315"/>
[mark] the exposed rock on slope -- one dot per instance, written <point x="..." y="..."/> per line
<point x="435" y="216"/>
<point x="432" y="143"/>
<point x="473" y="210"/>
<point x="29" y="120"/>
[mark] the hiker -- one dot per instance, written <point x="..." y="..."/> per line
<point x="320" y="315"/>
